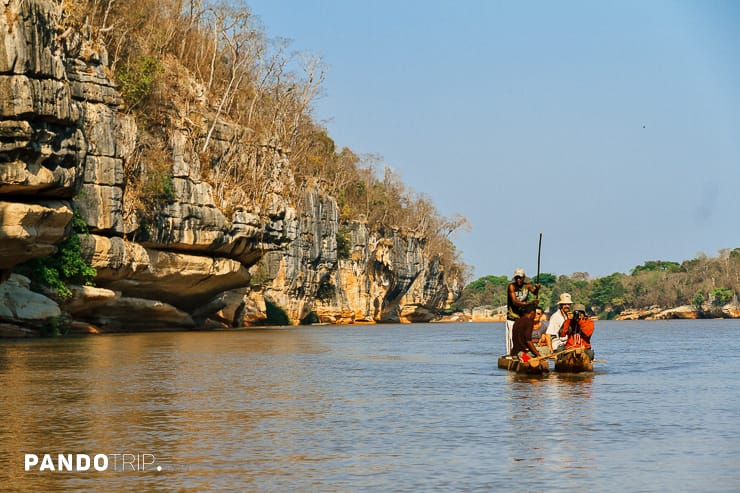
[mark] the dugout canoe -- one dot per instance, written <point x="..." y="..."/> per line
<point x="513" y="364"/>
<point x="574" y="362"/>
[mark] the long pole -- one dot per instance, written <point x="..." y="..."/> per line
<point x="539" y="251"/>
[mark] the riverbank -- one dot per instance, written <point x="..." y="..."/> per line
<point x="684" y="312"/>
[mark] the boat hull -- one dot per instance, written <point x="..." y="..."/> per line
<point x="513" y="364"/>
<point x="574" y="362"/>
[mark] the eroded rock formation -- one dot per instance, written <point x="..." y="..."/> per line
<point x="65" y="144"/>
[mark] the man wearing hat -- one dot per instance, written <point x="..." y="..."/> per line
<point x="516" y="299"/>
<point x="552" y="336"/>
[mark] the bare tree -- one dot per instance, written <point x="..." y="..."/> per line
<point x="237" y="41"/>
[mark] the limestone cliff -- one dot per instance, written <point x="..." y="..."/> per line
<point x="383" y="278"/>
<point x="66" y="144"/>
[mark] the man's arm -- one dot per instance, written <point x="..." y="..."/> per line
<point x="564" y="328"/>
<point x="548" y="340"/>
<point x="533" y="348"/>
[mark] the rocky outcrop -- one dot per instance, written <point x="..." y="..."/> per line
<point x="179" y="279"/>
<point x="133" y="314"/>
<point x="731" y="310"/>
<point x="19" y="304"/>
<point x="30" y="230"/>
<point x="681" y="312"/>
<point x="40" y="145"/>
<point x="686" y="312"/>
<point x="380" y="278"/>
<point x="639" y="314"/>
<point x="488" y="314"/>
<point x="66" y="144"/>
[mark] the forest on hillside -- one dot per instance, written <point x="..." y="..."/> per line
<point x="206" y="62"/>
<point x="696" y="282"/>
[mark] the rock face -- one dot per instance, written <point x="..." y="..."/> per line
<point x="179" y="279"/>
<point x="18" y="303"/>
<point x="65" y="145"/>
<point x="31" y="230"/>
<point x="40" y="144"/>
<point x="687" y="312"/>
<point x="384" y="278"/>
<point x="488" y="314"/>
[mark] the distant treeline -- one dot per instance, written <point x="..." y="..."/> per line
<point x="655" y="283"/>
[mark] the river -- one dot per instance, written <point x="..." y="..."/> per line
<point x="386" y="408"/>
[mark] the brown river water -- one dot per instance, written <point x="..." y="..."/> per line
<point x="386" y="408"/>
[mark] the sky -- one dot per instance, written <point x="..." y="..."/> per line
<point x="611" y="128"/>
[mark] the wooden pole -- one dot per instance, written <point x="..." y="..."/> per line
<point x="539" y="251"/>
<point x="535" y="362"/>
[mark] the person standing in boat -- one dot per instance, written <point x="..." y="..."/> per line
<point x="522" y="343"/>
<point x="517" y="299"/>
<point x="552" y="336"/>
<point x="578" y="330"/>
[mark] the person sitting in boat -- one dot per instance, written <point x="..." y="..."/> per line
<point x="552" y="335"/>
<point x="540" y="326"/>
<point x="578" y="330"/>
<point x="522" y="345"/>
<point x="517" y="299"/>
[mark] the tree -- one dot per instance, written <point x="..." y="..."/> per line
<point x="547" y="280"/>
<point x="659" y="283"/>
<point x="656" y="265"/>
<point x="606" y="292"/>
<point x="233" y="40"/>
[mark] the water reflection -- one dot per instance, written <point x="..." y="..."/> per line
<point x="188" y="400"/>
<point x="549" y="416"/>
<point x="420" y="408"/>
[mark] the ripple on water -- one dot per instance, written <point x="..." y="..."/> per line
<point x="420" y="408"/>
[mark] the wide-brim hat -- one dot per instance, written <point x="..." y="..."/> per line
<point x="520" y="273"/>
<point x="565" y="299"/>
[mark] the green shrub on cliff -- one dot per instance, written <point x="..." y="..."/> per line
<point x="698" y="299"/>
<point x="66" y="266"/>
<point x="343" y="244"/>
<point x="137" y="79"/>
<point x="275" y="314"/>
<point x="326" y="291"/>
<point x="720" y="296"/>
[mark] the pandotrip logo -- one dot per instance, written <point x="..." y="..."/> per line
<point x="124" y="462"/>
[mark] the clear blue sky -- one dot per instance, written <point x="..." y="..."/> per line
<point x="611" y="127"/>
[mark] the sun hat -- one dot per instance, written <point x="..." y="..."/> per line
<point x="520" y="273"/>
<point x="565" y="299"/>
<point x="578" y="307"/>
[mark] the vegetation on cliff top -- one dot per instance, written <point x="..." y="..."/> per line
<point x="655" y="283"/>
<point x="208" y="62"/>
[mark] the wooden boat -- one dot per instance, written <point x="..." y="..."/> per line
<point x="575" y="361"/>
<point x="532" y="367"/>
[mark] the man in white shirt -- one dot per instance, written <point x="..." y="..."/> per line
<point x="552" y="336"/>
